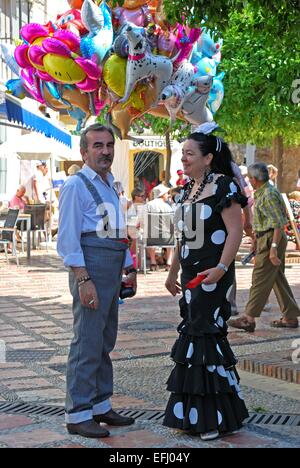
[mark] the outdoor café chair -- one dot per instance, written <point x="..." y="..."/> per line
<point x="8" y="233"/>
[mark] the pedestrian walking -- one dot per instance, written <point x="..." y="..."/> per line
<point x="270" y="246"/>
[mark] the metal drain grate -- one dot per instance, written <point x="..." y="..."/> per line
<point x="43" y="410"/>
<point x="146" y="415"/>
<point x="147" y="326"/>
<point x="276" y="419"/>
<point x="29" y="355"/>
<point x="27" y="408"/>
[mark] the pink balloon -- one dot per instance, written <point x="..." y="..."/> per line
<point x="21" y="56"/>
<point x="136" y="16"/>
<point x="36" y="55"/>
<point x="31" y="83"/>
<point x="166" y="42"/>
<point x="45" y="76"/>
<point x="33" y="31"/>
<point x="88" y="85"/>
<point x="89" y="67"/>
<point x="54" y="46"/>
<point x="69" y="38"/>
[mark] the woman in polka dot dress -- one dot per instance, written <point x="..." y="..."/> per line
<point x="204" y="385"/>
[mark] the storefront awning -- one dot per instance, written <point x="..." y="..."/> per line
<point x="15" y="110"/>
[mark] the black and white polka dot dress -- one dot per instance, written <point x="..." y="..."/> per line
<point x="204" y="385"/>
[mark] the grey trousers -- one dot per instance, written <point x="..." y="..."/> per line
<point x="89" y="370"/>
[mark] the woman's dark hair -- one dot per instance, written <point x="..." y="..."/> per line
<point x="222" y="157"/>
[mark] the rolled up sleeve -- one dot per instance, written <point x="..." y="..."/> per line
<point x="70" y="227"/>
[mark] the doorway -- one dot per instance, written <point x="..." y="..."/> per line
<point x="147" y="167"/>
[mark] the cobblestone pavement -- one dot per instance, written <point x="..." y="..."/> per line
<point x="36" y="327"/>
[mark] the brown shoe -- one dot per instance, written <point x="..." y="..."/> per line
<point x="113" y="419"/>
<point x="154" y="267"/>
<point x="285" y="323"/>
<point x="242" y="323"/>
<point x="89" y="429"/>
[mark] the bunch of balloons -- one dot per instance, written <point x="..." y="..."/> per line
<point x="129" y="58"/>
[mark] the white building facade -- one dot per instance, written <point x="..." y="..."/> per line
<point x="13" y="15"/>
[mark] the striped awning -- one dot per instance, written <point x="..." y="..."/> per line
<point x="17" y="111"/>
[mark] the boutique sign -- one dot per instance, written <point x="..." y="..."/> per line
<point x="150" y="143"/>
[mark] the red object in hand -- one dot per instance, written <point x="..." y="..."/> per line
<point x="195" y="281"/>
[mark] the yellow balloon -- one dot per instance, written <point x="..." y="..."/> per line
<point x="114" y="74"/>
<point x="63" y="69"/>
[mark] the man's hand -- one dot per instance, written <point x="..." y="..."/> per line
<point x="254" y="244"/>
<point x="274" y="257"/>
<point x="88" y="295"/>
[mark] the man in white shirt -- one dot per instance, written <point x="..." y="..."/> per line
<point x="41" y="182"/>
<point x="161" y="226"/>
<point x="93" y="243"/>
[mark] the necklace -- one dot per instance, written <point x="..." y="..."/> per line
<point x="207" y="180"/>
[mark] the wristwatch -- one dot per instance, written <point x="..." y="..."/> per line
<point x="274" y="245"/>
<point x="222" y="267"/>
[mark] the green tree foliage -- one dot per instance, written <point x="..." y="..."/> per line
<point x="261" y="62"/>
<point x="261" y="59"/>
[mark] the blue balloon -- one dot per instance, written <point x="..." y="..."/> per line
<point x="216" y="94"/>
<point x="16" y="88"/>
<point x="53" y="90"/>
<point x="205" y="66"/>
<point x="79" y="115"/>
<point x="100" y="38"/>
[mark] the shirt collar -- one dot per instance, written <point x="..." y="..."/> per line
<point x="261" y="189"/>
<point x="92" y="175"/>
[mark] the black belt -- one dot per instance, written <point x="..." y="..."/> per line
<point x="89" y="234"/>
<point x="262" y="233"/>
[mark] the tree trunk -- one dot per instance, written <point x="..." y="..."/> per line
<point x="169" y="156"/>
<point x="278" y="159"/>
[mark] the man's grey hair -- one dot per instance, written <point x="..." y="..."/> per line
<point x="259" y="171"/>
<point x="97" y="127"/>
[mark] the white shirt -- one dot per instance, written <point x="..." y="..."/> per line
<point x="78" y="214"/>
<point x="43" y="186"/>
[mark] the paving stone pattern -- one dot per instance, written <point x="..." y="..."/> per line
<point x="36" y="326"/>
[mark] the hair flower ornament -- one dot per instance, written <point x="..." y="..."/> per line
<point x="207" y="128"/>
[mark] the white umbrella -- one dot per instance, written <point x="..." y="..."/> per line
<point x="35" y="146"/>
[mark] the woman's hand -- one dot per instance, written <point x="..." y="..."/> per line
<point x="88" y="295"/>
<point x="213" y="275"/>
<point x="172" y="285"/>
